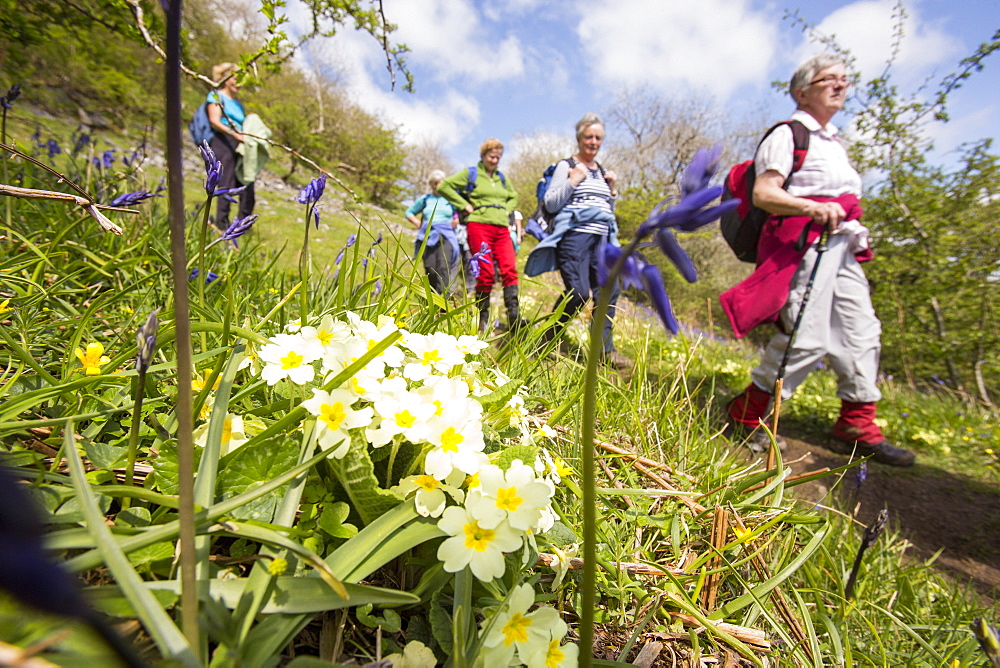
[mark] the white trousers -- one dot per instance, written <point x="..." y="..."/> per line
<point x="839" y="322"/>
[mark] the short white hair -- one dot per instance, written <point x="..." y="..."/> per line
<point x="805" y="72"/>
<point x="437" y="176"/>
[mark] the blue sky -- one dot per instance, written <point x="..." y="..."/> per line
<point x="522" y="67"/>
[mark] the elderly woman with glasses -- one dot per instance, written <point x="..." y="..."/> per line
<point x="838" y="322"/>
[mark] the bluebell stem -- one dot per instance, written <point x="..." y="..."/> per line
<point x="872" y="532"/>
<point x="989" y="639"/>
<point x="238" y="228"/>
<point x="128" y="199"/>
<point x="12" y="94"/>
<point x="310" y="196"/>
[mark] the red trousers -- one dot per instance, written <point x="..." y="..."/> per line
<point x="497" y="238"/>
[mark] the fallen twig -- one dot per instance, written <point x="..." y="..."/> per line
<point x="575" y="564"/>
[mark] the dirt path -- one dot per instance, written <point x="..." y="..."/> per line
<point x="934" y="509"/>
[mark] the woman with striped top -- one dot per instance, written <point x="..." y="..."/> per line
<point x="583" y="193"/>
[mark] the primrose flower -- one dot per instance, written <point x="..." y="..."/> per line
<point x="430" y="496"/>
<point x="328" y="332"/>
<point x="514" y="628"/>
<point x="288" y="356"/>
<point x="334" y="416"/>
<point x="456" y="447"/>
<point x="514" y="495"/>
<point x="92" y="358"/>
<point x="555" y="655"/>
<point x="233" y="434"/>
<point x="434" y="352"/>
<point x="401" y="412"/>
<point x="471" y="345"/>
<point x="312" y="192"/>
<point x="474" y="546"/>
<point x="238" y="228"/>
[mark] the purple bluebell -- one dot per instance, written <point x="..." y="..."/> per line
<point x="701" y="170"/>
<point x="377" y="290"/>
<point x="668" y="243"/>
<point x="379" y="240"/>
<point x="861" y="475"/>
<point x="12" y="94"/>
<point x="312" y="192"/>
<point x="53" y="148"/>
<point x="129" y="199"/>
<point x="316" y="215"/>
<point x="238" y="228"/>
<point x="162" y="185"/>
<point x="229" y="192"/>
<point x="81" y="142"/>
<point x="351" y="240"/>
<point x="213" y="168"/>
<point x="209" y="276"/>
<point x="872" y="532"/>
<point x="146" y="342"/>
<point x="628" y="276"/>
<point x="340" y="256"/>
<point x="484" y="250"/>
<point x="652" y="283"/>
<point x="108" y="158"/>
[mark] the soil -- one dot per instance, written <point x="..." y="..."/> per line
<point x="935" y="510"/>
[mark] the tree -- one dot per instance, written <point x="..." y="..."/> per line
<point x="422" y="159"/>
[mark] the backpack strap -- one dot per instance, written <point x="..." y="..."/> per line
<point x="800" y="145"/>
<point x="473" y="174"/>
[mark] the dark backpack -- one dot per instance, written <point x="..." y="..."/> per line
<point x="742" y="226"/>
<point x="543" y="216"/>
<point x="199" y="127"/>
<point x="470" y="185"/>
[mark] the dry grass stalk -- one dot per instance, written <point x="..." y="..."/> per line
<point x="720" y="528"/>
<point x="575" y="564"/>
<point x="755" y="638"/>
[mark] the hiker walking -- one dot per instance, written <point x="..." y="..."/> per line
<point x="583" y="194"/>
<point x="441" y="251"/>
<point x="485" y="198"/>
<point x="226" y="116"/>
<point x="838" y="321"/>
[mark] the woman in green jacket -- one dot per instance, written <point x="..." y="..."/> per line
<point x="486" y="199"/>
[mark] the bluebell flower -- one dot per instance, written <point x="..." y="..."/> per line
<point x="36" y="137"/>
<point x="146" y="341"/>
<point x="12" y="94"/>
<point x="229" y="192"/>
<point x="81" y="142"/>
<point x="96" y="162"/>
<point x="108" y="158"/>
<point x="213" y="168"/>
<point x="128" y="199"/>
<point x="861" y="475"/>
<point x="690" y="213"/>
<point x="377" y="290"/>
<point x="162" y="185"/>
<point x="312" y="192"/>
<point x="379" y="240"/>
<point x="238" y="228"/>
<point x="209" y="276"/>
<point x="484" y="250"/>
<point x="340" y="256"/>
<point x="316" y="215"/>
<point x="351" y="240"/>
<point x="53" y="148"/>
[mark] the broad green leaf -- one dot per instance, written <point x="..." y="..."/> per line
<point x="526" y="453"/>
<point x="109" y="600"/>
<point x="501" y="395"/>
<point x="165" y="467"/>
<point x="356" y="474"/>
<point x="144" y="558"/>
<point x="332" y="520"/>
<point x="250" y="467"/>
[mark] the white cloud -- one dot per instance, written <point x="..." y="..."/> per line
<point x="714" y="45"/>
<point x="866" y="29"/>
<point x="449" y="38"/>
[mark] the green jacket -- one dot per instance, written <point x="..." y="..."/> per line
<point x="254" y="152"/>
<point x="493" y="202"/>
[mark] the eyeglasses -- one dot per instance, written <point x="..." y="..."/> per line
<point x="830" y="80"/>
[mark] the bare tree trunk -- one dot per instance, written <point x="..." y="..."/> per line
<point x="949" y="360"/>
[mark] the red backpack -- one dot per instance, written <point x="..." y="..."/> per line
<point x="741" y="227"/>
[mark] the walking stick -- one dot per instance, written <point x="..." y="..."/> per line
<point x="779" y="381"/>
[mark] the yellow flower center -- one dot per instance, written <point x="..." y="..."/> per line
<point x="450" y="440"/>
<point x="427" y="483"/>
<point x="439" y="408"/>
<point x="227" y="431"/>
<point x="356" y="385"/>
<point x="292" y="360"/>
<point x="431" y="357"/>
<point x="507" y="499"/>
<point x="324" y="336"/>
<point x="472" y="481"/>
<point x="554" y="656"/>
<point x="372" y="343"/>
<point x="405" y="419"/>
<point x="332" y="414"/>
<point x="476" y="537"/>
<point x="516" y="629"/>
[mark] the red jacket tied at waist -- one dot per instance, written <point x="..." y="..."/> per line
<point x="761" y="296"/>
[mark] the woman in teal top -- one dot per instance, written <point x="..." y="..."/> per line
<point x="440" y="251"/>
<point x="226" y="114"/>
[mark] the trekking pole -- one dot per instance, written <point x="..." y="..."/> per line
<point x="779" y="381"/>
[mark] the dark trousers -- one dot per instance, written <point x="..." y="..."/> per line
<point x="577" y="257"/>
<point x="225" y="150"/>
<point x="439" y="267"/>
